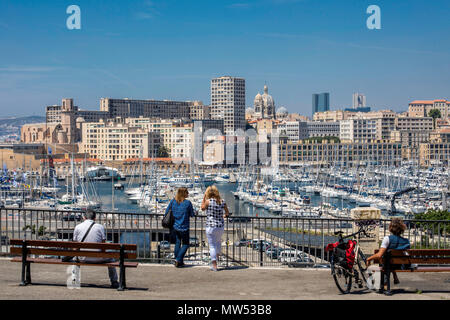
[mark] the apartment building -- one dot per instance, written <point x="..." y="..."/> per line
<point x="228" y="102"/>
<point x="323" y="129"/>
<point x="434" y="154"/>
<point x="198" y="111"/>
<point x="346" y="154"/>
<point x="54" y="114"/>
<point x="358" y="130"/>
<point x="421" y="108"/>
<point x="131" y="108"/>
<point x="294" y="130"/>
<point x="118" y="141"/>
<point x="414" y="123"/>
<point x="176" y="135"/>
<point x="332" y="116"/>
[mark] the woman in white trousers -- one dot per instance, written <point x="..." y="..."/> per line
<point x="216" y="209"/>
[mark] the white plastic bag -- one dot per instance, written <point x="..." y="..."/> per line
<point x="374" y="278"/>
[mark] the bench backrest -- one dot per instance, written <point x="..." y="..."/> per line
<point x="419" y="256"/>
<point x="69" y="248"/>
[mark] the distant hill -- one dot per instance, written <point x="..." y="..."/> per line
<point x="10" y="127"/>
<point x="20" y="121"/>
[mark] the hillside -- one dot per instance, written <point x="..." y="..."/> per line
<point x="10" y="127"/>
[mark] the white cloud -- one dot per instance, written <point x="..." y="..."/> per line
<point x="148" y="11"/>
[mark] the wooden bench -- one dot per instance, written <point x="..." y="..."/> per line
<point x="414" y="260"/>
<point x="54" y="249"/>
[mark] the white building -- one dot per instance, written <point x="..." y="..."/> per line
<point x="228" y="102"/>
<point x="176" y="135"/>
<point x="323" y="129"/>
<point x="294" y="130"/>
<point x="358" y="130"/>
<point x="117" y="141"/>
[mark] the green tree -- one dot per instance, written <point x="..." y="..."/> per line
<point x="320" y="139"/>
<point x="40" y="231"/>
<point x="163" y="152"/>
<point x="435" y="114"/>
<point x="430" y="225"/>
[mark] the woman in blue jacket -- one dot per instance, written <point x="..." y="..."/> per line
<point x="182" y="210"/>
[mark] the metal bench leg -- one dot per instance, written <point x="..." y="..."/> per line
<point x="24" y="263"/>
<point x="122" y="284"/>
<point x="24" y="268"/>
<point x="28" y="280"/>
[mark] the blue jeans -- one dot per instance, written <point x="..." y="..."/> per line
<point x="181" y="244"/>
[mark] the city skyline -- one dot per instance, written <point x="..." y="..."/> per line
<point x="167" y="50"/>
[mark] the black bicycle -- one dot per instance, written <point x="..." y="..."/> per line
<point x="344" y="272"/>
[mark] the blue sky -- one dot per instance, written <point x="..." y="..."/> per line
<point x="165" y="49"/>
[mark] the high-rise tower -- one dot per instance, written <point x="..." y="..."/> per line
<point x="228" y="102"/>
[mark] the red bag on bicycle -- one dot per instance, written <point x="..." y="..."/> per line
<point x="350" y="253"/>
<point x="344" y="252"/>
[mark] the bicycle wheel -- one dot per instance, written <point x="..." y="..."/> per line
<point x="362" y="266"/>
<point x="342" y="277"/>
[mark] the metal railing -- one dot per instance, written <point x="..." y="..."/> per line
<point x="247" y="241"/>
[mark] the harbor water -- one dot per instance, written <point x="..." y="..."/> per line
<point x="236" y="206"/>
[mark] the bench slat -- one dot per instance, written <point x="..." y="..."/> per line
<point x="427" y="269"/>
<point x="407" y="260"/>
<point x="55" y="252"/>
<point x="422" y="252"/>
<point x="58" y="261"/>
<point x="73" y="245"/>
<point x="79" y="253"/>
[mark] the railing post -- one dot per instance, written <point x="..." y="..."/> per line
<point x="261" y="252"/>
<point x="227" y="244"/>
<point x="158" y="253"/>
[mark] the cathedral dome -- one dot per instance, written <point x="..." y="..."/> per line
<point x="250" y="110"/>
<point x="258" y="98"/>
<point x="264" y="104"/>
<point x="282" y="111"/>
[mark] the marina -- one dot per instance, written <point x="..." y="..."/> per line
<point x="281" y="218"/>
<point x="305" y="191"/>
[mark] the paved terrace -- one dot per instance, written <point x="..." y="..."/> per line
<point x="150" y="281"/>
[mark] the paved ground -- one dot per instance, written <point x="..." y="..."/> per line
<point x="199" y="283"/>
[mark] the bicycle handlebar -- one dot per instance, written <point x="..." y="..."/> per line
<point x="361" y="230"/>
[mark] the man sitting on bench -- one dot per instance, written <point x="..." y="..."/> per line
<point x="89" y="231"/>
<point x="394" y="241"/>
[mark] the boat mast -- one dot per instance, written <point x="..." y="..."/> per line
<point x="112" y="189"/>
<point x="73" y="178"/>
<point x="141" y="160"/>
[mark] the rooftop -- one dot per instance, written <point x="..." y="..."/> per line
<point x="428" y="101"/>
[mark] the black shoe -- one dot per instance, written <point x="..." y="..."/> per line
<point x="179" y="264"/>
<point x="115" y="285"/>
